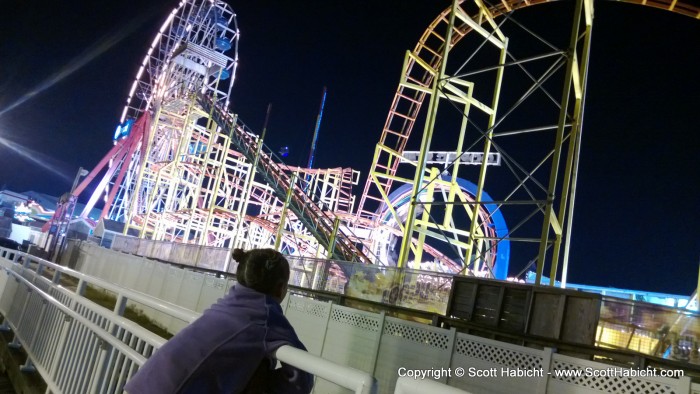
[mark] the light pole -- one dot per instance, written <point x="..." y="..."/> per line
<point x="64" y="214"/>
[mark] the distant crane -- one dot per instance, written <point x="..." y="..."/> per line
<point x="312" y="151"/>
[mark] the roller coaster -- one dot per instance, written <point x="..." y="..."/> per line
<point x="185" y="169"/>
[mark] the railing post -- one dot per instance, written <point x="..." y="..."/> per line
<point x="120" y="305"/>
<point x="547" y="354"/>
<point x="39" y="322"/>
<point x="80" y="289"/>
<point x="25" y="263"/>
<point x="685" y="385"/>
<point x="310" y="277"/>
<point x="375" y="350"/>
<point x="28" y="366"/>
<point x="15" y="343"/>
<point x="60" y="348"/>
<point x="100" y="369"/>
<point x="319" y="282"/>
<point x="24" y="308"/>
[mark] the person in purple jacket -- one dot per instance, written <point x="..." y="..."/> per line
<point x="231" y="347"/>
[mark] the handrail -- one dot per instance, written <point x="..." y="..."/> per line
<point x="152" y="338"/>
<point x="406" y="385"/>
<point x="349" y="378"/>
<point x="75" y="315"/>
<point x="21" y="306"/>
<point x="360" y="382"/>
<point x="70" y="332"/>
<point x="148" y="300"/>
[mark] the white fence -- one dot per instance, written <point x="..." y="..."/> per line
<point x="188" y="289"/>
<point x="622" y="323"/>
<point x="186" y="254"/>
<point x="386" y="347"/>
<point x="427" y="291"/>
<point x="76" y="345"/>
<point x="80" y="347"/>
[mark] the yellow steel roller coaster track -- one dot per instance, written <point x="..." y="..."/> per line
<point x="424" y="64"/>
<point x="406" y="104"/>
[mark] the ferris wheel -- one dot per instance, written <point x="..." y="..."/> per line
<point x="195" y="48"/>
<point x="160" y="140"/>
<point x="182" y="167"/>
<point x="194" y="51"/>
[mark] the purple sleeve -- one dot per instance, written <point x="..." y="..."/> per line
<point x="290" y="380"/>
<point x="287" y="379"/>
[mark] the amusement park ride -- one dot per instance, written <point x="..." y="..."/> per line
<point x="185" y="169"/>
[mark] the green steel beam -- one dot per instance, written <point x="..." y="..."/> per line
<point x="488" y="138"/>
<point x="566" y="211"/>
<point x="331" y="244"/>
<point x="283" y="215"/>
<point x="406" y="242"/>
<point x="547" y="223"/>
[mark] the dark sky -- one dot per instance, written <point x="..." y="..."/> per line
<point x="636" y="221"/>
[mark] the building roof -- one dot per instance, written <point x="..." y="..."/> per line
<point x="89" y="222"/>
<point x="113" y="225"/>
<point x="14" y="194"/>
<point x="118" y="227"/>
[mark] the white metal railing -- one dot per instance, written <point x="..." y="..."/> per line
<point x="349" y="378"/>
<point x="66" y="348"/>
<point x="80" y="347"/>
<point x="76" y="345"/>
<point x="37" y="266"/>
<point x="406" y="385"/>
<point x="381" y="345"/>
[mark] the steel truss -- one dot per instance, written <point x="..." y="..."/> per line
<point x="475" y="93"/>
<point x="538" y="187"/>
<point x="191" y="172"/>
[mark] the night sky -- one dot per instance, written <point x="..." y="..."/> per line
<point x="636" y="223"/>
